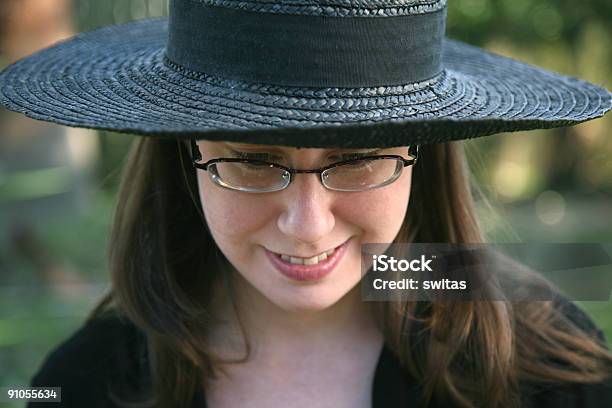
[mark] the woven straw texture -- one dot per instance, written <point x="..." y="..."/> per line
<point x="333" y="8"/>
<point x="117" y="79"/>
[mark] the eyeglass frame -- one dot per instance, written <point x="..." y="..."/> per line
<point x="413" y="151"/>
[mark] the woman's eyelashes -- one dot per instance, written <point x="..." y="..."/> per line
<point x="255" y="156"/>
<point x="357" y="155"/>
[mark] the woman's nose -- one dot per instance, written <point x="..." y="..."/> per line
<point x="307" y="214"/>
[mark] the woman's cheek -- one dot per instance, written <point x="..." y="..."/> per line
<point x="379" y="213"/>
<point x="233" y="216"/>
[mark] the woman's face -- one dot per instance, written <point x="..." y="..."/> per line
<point x="303" y="220"/>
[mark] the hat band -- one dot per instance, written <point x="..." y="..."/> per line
<point x="305" y="50"/>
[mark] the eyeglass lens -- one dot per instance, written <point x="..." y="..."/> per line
<point x="363" y="174"/>
<point x="355" y="176"/>
<point x="248" y="176"/>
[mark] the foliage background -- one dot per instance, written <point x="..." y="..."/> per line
<point x="545" y="186"/>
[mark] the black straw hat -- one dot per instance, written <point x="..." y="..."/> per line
<point x="309" y="73"/>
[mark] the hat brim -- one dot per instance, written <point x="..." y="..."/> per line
<point x="116" y="79"/>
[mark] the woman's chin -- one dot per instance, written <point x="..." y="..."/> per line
<point x="305" y="306"/>
<point x="312" y="301"/>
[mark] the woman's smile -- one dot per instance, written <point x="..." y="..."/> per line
<point x="305" y="259"/>
<point x="307" y="269"/>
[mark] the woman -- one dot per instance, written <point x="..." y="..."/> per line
<point x="281" y="132"/>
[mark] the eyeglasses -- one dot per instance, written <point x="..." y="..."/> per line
<point x="258" y="176"/>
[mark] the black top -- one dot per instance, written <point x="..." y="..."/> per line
<point x="112" y="351"/>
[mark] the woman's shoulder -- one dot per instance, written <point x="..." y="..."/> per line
<point x="590" y="395"/>
<point x="572" y="394"/>
<point x="108" y="353"/>
<point x="577" y="316"/>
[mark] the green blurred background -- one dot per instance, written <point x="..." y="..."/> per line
<point x="57" y="185"/>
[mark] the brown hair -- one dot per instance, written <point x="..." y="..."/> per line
<point x="164" y="266"/>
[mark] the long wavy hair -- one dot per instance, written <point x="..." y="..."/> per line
<point x="165" y="264"/>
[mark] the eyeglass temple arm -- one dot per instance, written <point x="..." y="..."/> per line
<point x="413" y="150"/>
<point x="195" y="151"/>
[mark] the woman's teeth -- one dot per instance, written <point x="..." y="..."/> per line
<point x="307" y="261"/>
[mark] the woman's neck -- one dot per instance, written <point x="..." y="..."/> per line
<point x="272" y="329"/>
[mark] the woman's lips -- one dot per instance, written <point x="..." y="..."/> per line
<point x="307" y="272"/>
